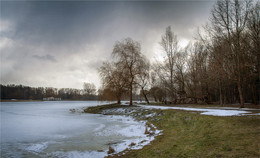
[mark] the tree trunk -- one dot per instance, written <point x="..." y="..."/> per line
<point x="131" y="95"/>
<point x="118" y="97"/>
<point x="241" y="97"/>
<point x="118" y="101"/>
<point x="220" y="97"/>
<point x="220" y="94"/>
<point x="254" y="98"/>
<point x="195" y="100"/>
<point x="145" y="97"/>
<point x="155" y="99"/>
<point x="225" y="100"/>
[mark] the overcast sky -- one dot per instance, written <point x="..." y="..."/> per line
<point x="62" y="44"/>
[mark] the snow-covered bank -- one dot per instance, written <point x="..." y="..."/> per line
<point x="209" y="111"/>
<point x="131" y="130"/>
<point x="137" y="133"/>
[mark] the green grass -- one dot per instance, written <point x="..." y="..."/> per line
<point x="98" y="109"/>
<point x="189" y="134"/>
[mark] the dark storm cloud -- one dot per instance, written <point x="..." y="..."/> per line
<point x="61" y="22"/>
<point x="56" y="23"/>
<point x="80" y="35"/>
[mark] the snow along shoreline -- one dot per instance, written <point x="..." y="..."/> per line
<point x="137" y="133"/>
<point x="209" y="111"/>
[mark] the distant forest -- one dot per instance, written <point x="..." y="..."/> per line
<point x="21" y="92"/>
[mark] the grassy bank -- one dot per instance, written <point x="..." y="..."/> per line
<point x="189" y="134"/>
<point x="100" y="108"/>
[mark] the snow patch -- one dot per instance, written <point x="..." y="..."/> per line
<point x="133" y="131"/>
<point x="37" y="148"/>
<point x="150" y="115"/>
<point x="252" y="114"/>
<point x="118" y="111"/>
<point x="125" y="103"/>
<point x="224" y="113"/>
<point x="77" y="154"/>
<point x="205" y="111"/>
<point x="234" y="108"/>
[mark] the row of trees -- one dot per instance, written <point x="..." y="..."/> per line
<point x="30" y="93"/>
<point x="221" y="66"/>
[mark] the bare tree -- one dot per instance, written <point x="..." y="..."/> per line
<point x="180" y="75"/>
<point x="217" y="68"/>
<point x="114" y="78"/>
<point x="254" y="45"/>
<point x="143" y="78"/>
<point x="107" y="94"/>
<point x="128" y="55"/>
<point x="197" y="85"/>
<point x="169" y="44"/>
<point x="229" y="20"/>
<point x="89" y="89"/>
<point x="157" y="93"/>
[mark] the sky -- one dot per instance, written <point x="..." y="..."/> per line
<point x="62" y="44"/>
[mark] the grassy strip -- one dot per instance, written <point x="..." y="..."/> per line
<point x="98" y="109"/>
<point x="189" y="134"/>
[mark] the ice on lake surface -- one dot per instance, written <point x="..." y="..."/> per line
<point x="49" y="129"/>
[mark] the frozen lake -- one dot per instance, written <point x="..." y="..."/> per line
<point x="49" y="129"/>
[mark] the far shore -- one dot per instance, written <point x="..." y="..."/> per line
<point x="17" y="100"/>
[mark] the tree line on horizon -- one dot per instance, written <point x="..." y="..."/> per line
<point x="221" y="66"/>
<point x="21" y="92"/>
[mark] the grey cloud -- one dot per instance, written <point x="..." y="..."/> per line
<point x="81" y="35"/>
<point x="76" y="22"/>
<point x="45" y="57"/>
